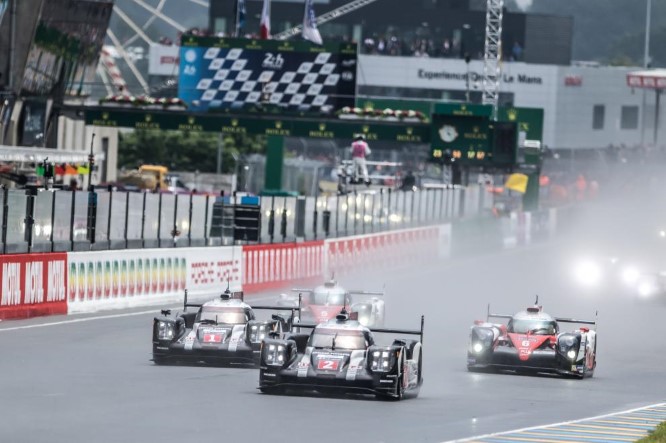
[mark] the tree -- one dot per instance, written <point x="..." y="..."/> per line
<point x="184" y="151"/>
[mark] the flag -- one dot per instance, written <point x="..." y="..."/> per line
<point x="239" y="13"/>
<point x="517" y="182"/>
<point x="310" y="31"/>
<point x="265" y="31"/>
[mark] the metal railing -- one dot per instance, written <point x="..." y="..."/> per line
<point x="59" y="220"/>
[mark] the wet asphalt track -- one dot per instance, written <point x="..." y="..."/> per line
<point x="93" y="381"/>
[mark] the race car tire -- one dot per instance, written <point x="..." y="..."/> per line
<point x="159" y="361"/>
<point x="399" y="392"/>
<point x="420" y="368"/>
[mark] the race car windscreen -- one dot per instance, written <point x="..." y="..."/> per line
<point x="332" y="338"/>
<point x="231" y="316"/>
<point x="536" y="327"/>
<point x="329" y="298"/>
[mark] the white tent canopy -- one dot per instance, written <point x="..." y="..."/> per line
<point x="37" y="155"/>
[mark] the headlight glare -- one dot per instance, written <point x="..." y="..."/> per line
<point x="571" y="354"/>
<point x="478" y="347"/>
<point x="588" y="273"/>
<point x="630" y="275"/>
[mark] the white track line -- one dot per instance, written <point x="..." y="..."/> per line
<point x="105" y="317"/>
<point x="497" y="434"/>
<point x="77" y="320"/>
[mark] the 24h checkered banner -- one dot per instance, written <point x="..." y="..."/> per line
<point x="219" y="73"/>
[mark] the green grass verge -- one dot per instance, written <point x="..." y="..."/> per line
<point x="656" y="436"/>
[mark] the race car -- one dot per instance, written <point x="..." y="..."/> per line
<point x="223" y="330"/>
<point x="322" y="303"/>
<point x="532" y="342"/>
<point x="340" y="356"/>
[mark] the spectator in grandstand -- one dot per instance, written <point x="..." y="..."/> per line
<point x="408" y="182"/>
<point x="516" y="52"/>
<point x="359" y="151"/>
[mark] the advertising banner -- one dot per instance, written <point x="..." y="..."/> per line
<point x="33" y="285"/>
<point x="272" y="266"/>
<point x="118" y="279"/>
<point x="237" y="73"/>
<point x="385" y="250"/>
<point x="163" y="60"/>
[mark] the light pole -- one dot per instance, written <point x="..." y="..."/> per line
<point x="467" y="57"/>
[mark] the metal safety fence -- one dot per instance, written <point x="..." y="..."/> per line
<point x="59" y="220"/>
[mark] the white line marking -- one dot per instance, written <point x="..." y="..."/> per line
<point x="78" y="320"/>
<point x="154" y="311"/>
<point x="496" y="434"/>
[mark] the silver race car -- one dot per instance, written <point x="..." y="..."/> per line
<point x="324" y="302"/>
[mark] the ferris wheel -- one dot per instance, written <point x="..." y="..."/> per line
<point x="135" y="26"/>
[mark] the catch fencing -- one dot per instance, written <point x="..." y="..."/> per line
<point x="36" y="221"/>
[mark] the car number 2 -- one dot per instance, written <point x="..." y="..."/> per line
<point x="327" y="365"/>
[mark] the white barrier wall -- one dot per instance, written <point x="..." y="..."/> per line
<point x="128" y="278"/>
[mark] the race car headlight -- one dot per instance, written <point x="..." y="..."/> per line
<point x="630" y="275"/>
<point x="646" y="289"/>
<point x="256" y="333"/>
<point x="588" y="273"/>
<point x="165" y="330"/>
<point x="275" y="354"/>
<point x="569" y="345"/>
<point x="381" y="360"/>
<point x="481" y="339"/>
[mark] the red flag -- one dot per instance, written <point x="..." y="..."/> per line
<point x="265" y="31"/>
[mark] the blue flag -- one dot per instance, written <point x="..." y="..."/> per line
<point x="310" y="31"/>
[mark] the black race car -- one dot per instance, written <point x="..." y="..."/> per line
<point x="340" y="356"/>
<point x="223" y="330"/>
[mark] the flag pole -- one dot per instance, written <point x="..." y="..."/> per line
<point x="237" y="24"/>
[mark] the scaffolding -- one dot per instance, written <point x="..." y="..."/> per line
<point x="492" y="55"/>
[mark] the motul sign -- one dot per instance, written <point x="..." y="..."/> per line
<point x="655" y="79"/>
<point x="33" y="284"/>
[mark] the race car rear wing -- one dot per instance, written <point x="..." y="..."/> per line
<point x="418" y="332"/>
<point x="490" y="315"/>
<point x="239" y="295"/>
<point x="283" y="308"/>
<point x="573" y="320"/>
<point x="310" y="291"/>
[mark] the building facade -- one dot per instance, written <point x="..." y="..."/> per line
<point x="584" y="106"/>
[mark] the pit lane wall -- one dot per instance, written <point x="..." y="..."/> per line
<point x="75" y="282"/>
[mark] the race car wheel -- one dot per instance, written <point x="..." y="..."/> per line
<point x="400" y="386"/>
<point x="159" y="361"/>
<point x="272" y="390"/>
<point x="420" y="382"/>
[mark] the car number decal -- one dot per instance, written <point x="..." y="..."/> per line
<point x="328" y="365"/>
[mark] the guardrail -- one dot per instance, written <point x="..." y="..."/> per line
<point x="59" y="220"/>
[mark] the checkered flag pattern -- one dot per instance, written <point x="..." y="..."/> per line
<point x="235" y="78"/>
